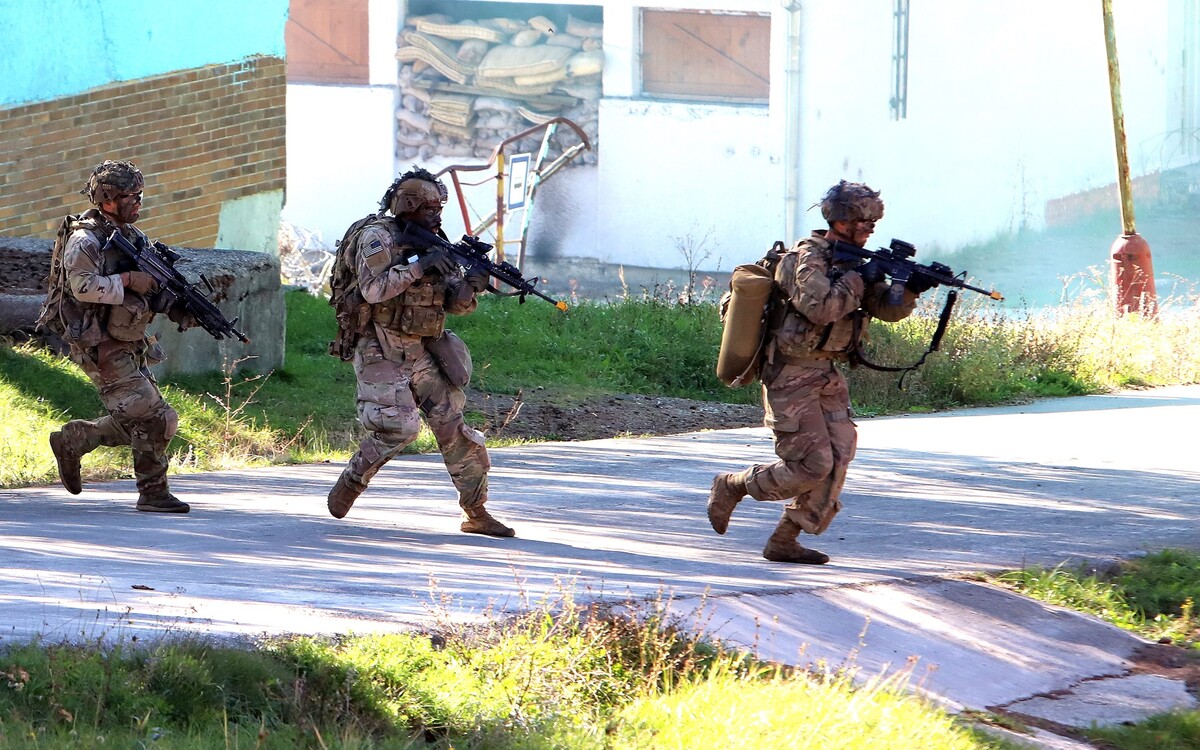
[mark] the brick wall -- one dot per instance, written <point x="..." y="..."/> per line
<point x="201" y="137"/>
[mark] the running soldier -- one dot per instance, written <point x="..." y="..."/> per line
<point x="391" y="295"/>
<point x="100" y="305"/>
<point x="805" y="397"/>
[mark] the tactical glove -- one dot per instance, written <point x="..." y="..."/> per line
<point x="437" y="260"/>
<point x="138" y="282"/>
<point x="920" y="283"/>
<point x="872" y="272"/>
<point x="184" y="319"/>
<point x="478" y="279"/>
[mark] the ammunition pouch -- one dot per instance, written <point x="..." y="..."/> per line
<point x="422" y="321"/>
<point x="154" y="352"/>
<point x="128" y="320"/>
<point x="798" y="338"/>
<point x="83" y="324"/>
<point x="420" y="311"/>
<point x="452" y="357"/>
<point x="353" y="316"/>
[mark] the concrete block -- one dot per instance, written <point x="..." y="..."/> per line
<point x="246" y="286"/>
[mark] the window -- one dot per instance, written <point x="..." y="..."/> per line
<point x="327" y="41"/>
<point x="706" y="55"/>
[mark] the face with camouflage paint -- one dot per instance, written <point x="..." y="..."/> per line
<point x="125" y="208"/>
<point x="852" y="209"/>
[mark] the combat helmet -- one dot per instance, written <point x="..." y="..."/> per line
<point x="412" y="190"/>
<point x="851" y="201"/>
<point x="112" y="179"/>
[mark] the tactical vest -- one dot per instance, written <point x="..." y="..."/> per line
<point x="796" y="338"/>
<point x="419" y="311"/>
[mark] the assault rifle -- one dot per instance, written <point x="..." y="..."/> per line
<point x="472" y="253"/>
<point x="897" y="263"/>
<point x="158" y="260"/>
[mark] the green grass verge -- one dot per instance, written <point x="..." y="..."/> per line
<point x="559" y="677"/>
<point x="305" y="411"/>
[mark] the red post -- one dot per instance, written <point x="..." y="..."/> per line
<point x="1133" y="276"/>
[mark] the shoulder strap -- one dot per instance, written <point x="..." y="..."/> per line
<point x="858" y="358"/>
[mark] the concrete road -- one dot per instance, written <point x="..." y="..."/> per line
<point x="929" y="498"/>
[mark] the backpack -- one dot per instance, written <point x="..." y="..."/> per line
<point x="750" y="310"/>
<point x="60" y="309"/>
<point x="352" y="312"/>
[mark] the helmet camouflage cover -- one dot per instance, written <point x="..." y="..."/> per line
<point x="112" y="179"/>
<point x="851" y="201"/>
<point x="413" y="189"/>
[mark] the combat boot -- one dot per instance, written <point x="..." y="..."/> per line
<point x="783" y="547"/>
<point x="727" y="491"/>
<point x="343" y="495"/>
<point x="476" y="520"/>
<point x="165" y="503"/>
<point x="68" y="463"/>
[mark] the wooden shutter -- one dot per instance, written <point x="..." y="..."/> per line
<point x="327" y="41"/>
<point x="698" y="55"/>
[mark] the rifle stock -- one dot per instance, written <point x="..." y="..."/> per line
<point x="158" y="260"/>
<point x="472" y="252"/>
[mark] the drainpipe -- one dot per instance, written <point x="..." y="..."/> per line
<point x="793" y="216"/>
<point x="1132" y="268"/>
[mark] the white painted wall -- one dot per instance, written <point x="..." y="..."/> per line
<point x="1007" y="108"/>
<point x="339" y="155"/>
<point x="341" y="139"/>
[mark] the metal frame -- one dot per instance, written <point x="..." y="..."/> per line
<point x="539" y="173"/>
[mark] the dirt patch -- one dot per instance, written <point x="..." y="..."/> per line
<point x="22" y="272"/>
<point x="537" y="414"/>
<point x="1169" y="660"/>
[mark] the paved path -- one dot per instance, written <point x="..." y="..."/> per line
<point x="929" y="498"/>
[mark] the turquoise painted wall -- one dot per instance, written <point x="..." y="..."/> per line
<point x="55" y="48"/>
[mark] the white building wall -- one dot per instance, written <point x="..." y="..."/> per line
<point x="341" y="139"/>
<point x="1008" y="108"/>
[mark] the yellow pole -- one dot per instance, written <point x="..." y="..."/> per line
<point x="500" y="207"/>
<point x="1118" y="115"/>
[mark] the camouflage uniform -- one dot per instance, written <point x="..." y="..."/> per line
<point x="398" y="379"/>
<point x="104" y="323"/>
<point x="805" y="396"/>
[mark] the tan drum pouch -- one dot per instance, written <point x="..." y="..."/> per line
<point x="452" y="357"/>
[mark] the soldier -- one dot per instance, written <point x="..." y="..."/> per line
<point x="806" y="401"/>
<point x="100" y="305"/>
<point x="404" y="291"/>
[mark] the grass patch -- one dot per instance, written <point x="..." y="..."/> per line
<point x="646" y="345"/>
<point x="1153" y="596"/>
<point x="561" y="677"/>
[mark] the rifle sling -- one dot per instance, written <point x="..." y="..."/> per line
<point x="857" y="357"/>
